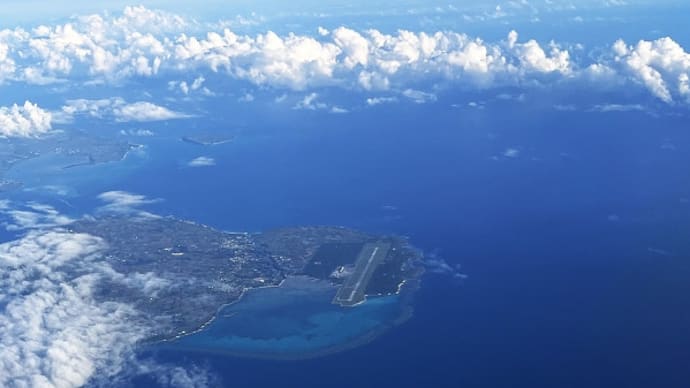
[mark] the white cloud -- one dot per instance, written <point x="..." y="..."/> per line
<point x="662" y="66"/>
<point x="124" y="199"/>
<point x="53" y="331"/>
<point x="119" y="110"/>
<point x="322" y="31"/>
<point x="187" y="88"/>
<point x="355" y="47"/>
<point x="310" y="102"/>
<point x="476" y="105"/>
<point x="202" y="161"/>
<point x="565" y="108"/>
<point x="512" y="38"/>
<point x="93" y="108"/>
<point x="533" y="58"/>
<point x="419" y="96"/>
<point x="380" y="100"/>
<point x="186" y="378"/>
<point x="149" y="284"/>
<point x="511" y="153"/>
<point x="34" y="216"/>
<point x="147" y="43"/>
<point x="137" y="132"/>
<point x="145" y="111"/>
<point x="28" y="120"/>
<point x="619" y="108"/>
<point x="247" y="97"/>
<point x="143" y="43"/>
<point x="57" y="329"/>
<point x="122" y="202"/>
<point x="440" y="266"/>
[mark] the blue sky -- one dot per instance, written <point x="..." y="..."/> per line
<point x="32" y="11"/>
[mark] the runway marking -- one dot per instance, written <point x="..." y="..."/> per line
<point x="366" y="269"/>
<point x="352" y="292"/>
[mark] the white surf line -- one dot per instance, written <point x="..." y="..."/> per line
<point x="366" y="269"/>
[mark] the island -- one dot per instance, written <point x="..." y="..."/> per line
<point x="198" y="269"/>
<point x="73" y="149"/>
<point x="207" y="139"/>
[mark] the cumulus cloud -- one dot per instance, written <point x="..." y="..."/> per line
<point x="247" y="97"/>
<point x="145" y="111"/>
<point x="419" y="96"/>
<point x="440" y="266"/>
<point x="169" y="375"/>
<point x="202" y="161"/>
<point x="33" y="216"/>
<point x="57" y="329"/>
<point x="565" y="108"/>
<point x="53" y="332"/>
<point x="186" y="88"/>
<point x="371" y="101"/>
<point x="135" y="45"/>
<point x="144" y="43"/>
<point x="511" y="153"/>
<point x="604" y="108"/>
<point x="119" y="110"/>
<point x="311" y="102"/>
<point x="186" y="378"/>
<point x="124" y="199"/>
<point x="137" y="132"/>
<point x="122" y="202"/>
<point x="662" y="66"/>
<point x="27" y="120"/>
<point x="532" y="56"/>
<point x="149" y="284"/>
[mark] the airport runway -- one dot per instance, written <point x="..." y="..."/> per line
<point x="353" y="291"/>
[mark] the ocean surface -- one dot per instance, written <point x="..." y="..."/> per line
<point x="293" y="321"/>
<point x="575" y="243"/>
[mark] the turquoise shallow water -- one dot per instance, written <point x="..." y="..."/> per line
<point x="295" y="320"/>
<point x="45" y="177"/>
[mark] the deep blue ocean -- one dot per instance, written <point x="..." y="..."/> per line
<point x="575" y="246"/>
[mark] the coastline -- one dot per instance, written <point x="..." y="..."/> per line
<point x="218" y="311"/>
<point x="405" y="307"/>
<point x="396" y="315"/>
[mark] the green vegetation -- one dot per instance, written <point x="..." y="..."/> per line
<point x="331" y="256"/>
<point x="398" y="266"/>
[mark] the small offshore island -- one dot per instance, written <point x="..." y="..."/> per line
<point x="211" y="286"/>
<point x="207" y="139"/>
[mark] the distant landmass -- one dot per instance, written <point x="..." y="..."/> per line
<point x="207" y="139"/>
<point x="76" y="148"/>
